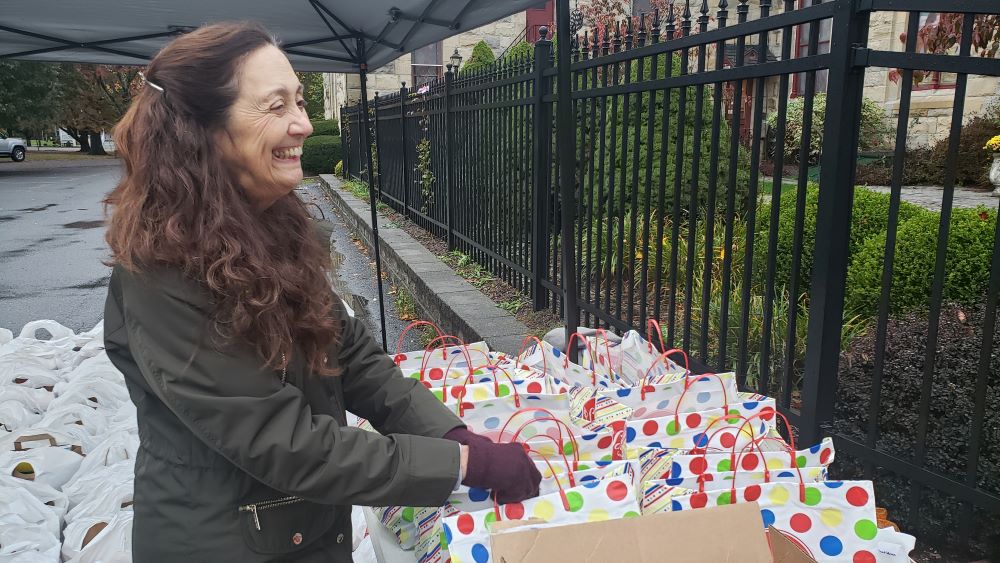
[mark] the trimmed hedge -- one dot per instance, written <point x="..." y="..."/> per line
<point x="967" y="271"/>
<point x="482" y="57"/>
<point x="520" y="51"/>
<point x="953" y="400"/>
<point x="869" y="218"/>
<point x="325" y="127"/>
<point x="319" y="154"/>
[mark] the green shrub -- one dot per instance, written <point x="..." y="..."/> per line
<point x="869" y="217"/>
<point x="319" y="154"/>
<point x="339" y="168"/>
<point x="970" y="244"/>
<point x="973" y="162"/>
<point x="874" y="131"/>
<point x="325" y="127"/>
<point x="482" y="57"/>
<point x="520" y="51"/>
<point x="620" y="126"/>
<point x="920" y="168"/>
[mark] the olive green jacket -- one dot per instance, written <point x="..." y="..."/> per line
<point x="235" y="466"/>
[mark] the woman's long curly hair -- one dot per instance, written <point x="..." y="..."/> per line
<point x="177" y="205"/>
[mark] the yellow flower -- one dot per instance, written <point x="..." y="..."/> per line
<point x="993" y="144"/>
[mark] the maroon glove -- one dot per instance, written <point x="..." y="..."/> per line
<point x="464" y="436"/>
<point x="505" y="469"/>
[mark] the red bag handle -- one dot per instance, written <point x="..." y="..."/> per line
<point x="524" y="348"/>
<point x="525" y="411"/>
<point x="651" y="323"/>
<point x="562" y="492"/>
<point x="666" y="356"/>
<point x="767" y="476"/>
<point x="586" y="344"/>
<point x="411" y="326"/>
<point x="561" y="443"/>
<point x="570" y="468"/>
<point x="496" y="387"/>
<point x="444" y="352"/>
<point x="687" y="387"/>
<point x="600" y="332"/>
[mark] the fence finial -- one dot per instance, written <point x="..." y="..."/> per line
<point x="655" y="25"/>
<point x="743" y="10"/>
<point x="671" y="18"/>
<point x="686" y="18"/>
<point x="723" y="12"/>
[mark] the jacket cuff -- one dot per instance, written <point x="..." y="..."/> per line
<point x="434" y="466"/>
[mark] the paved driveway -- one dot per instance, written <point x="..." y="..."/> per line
<point x="52" y="248"/>
<point x="52" y="241"/>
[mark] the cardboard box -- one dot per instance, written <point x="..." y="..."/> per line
<point x="724" y="533"/>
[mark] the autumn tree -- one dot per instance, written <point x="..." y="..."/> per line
<point x="29" y="100"/>
<point x="941" y="34"/>
<point x="95" y="97"/>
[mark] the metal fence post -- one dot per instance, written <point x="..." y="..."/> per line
<point x="374" y="174"/>
<point x="833" y="219"/>
<point x="402" y="149"/>
<point x="541" y="139"/>
<point x="449" y="157"/>
<point x="345" y="146"/>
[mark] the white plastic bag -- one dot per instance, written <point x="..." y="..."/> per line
<point x="52" y="466"/>
<point x="113" y="544"/>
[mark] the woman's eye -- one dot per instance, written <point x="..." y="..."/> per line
<point x="277" y="107"/>
<point x="302" y="103"/>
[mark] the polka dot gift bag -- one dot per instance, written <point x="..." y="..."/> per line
<point x="466" y="536"/>
<point x="663" y="463"/>
<point x="680" y="394"/>
<point x="495" y="381"/>
<point x="543" y="356"/>
<point x="831" y="521"/>
<point x="694" y="429"/>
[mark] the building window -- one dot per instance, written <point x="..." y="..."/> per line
<point x="802" y="50"/>
<point x="933" y="80"/>
<point x="427" y="64"/>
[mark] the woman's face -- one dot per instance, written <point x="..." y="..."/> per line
<point x="262" y="142"/>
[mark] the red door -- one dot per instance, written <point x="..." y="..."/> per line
<point x="535" y="18"/>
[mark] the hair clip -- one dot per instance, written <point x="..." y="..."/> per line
<point x="153" y="84"/>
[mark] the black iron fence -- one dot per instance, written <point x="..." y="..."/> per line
<point x="709" y="197"/>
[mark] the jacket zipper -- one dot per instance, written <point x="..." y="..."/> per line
<point x="267" y="505"/>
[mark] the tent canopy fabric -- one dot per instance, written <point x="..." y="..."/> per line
<point x="318" y="35"/>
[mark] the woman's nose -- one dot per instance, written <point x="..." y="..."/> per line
<point x="301" y="125"/>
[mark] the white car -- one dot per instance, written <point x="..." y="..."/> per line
<point x="13" y="147"/>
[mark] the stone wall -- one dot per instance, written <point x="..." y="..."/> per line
<point x="342" y="89"/>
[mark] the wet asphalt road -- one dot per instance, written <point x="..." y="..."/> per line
<point x="52" y="247"/>
<point x="52" y="242"/>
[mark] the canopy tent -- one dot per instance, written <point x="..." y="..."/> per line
<point x="317" y="35"/>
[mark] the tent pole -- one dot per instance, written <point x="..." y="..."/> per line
<point x="372" y="199"/>
<point x="565" y="135"/>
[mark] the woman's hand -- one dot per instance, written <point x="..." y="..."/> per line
<point x="505" y="469"/>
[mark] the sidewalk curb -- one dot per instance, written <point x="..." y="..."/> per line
<point x="440" y="294"/>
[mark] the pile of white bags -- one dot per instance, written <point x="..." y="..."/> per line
<point x="68" y="442"/>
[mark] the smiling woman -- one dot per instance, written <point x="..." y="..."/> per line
<point x="241" y="361"/>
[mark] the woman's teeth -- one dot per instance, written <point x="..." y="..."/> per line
<point x="287" y="153"/>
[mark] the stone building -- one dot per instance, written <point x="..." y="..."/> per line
<point x="932" y="101"/>
<point x="420" y="65"/>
